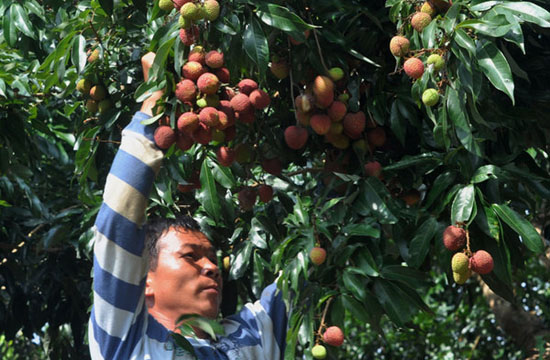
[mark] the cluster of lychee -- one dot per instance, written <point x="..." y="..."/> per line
<point x="413" y="66"/>
<point x="96" y="94"/>
<point x="191" y="13"/>
<point x="333" y="336"/>
<point x="325" y="111"/>
<point x="465" y="262"/>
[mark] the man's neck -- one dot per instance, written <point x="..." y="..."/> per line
<point x="169" y="322"/>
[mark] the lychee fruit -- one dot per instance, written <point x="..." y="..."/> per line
<point x="295" y="137"/>
<point x="225" y="106"/>
<point x="203" y="134"/>
<point x="336" y="128"/>
<point x="94" y="55"/>
<point x="192" y="70"/>
<point x="226" y="263"/>
<point x="184" y="23"/>
<point x="92" y="106"/>
<point x="336" y="73"/>
<point x="223" y="74"/>
<point x="399" y="46"/>
<point x="354" y="124"/>
<point x="208" y="83"/>
<point x="481" y="262"/>
<point x="333" y="336"/>
<point x="376" y="137"/>
<point x="179" y="3"/>
<point x="259" y="99"/>
<point x="318" y="255"/>
<point x="420" y="20"/>
<point x="373" y="168"/>
<point x="436" y="60"/>
<point x="460" y="263"/>
<point x="339" y="141"/>
<point x="186" y="90"/>
<point x="414" y="68"/>
<point x="225" y="155"/>
<point x="84" y="86"/>
<point x="323" y="88"/>
<point x="265" y="193"/>
<point x="320" y="123"/>
<point x="166" y="5"/>
<point x="223" y="121"/>
<point x="98" y="92"/>
<point x="430" y="97"/>
<point x="211" y="10"/>
<point x="337" y="111"/>
<point x="303" y="118"/>
<point x="246" y="117"/>
<point x="209" y="116"/>
<point x="184" y="141"/>
<point x="189" y="36"/>
<point x="454" y="237"/>
<point x="460" y="278"/>
<point x="104" y="105"/>
<point x="241" y="103"/>
<point x="246" y="86"/>
<point x="411" y="197"/>
<point x="319" y="352"/>
<point x="197" y="54"/>
<point x="428" y="9"/>
<point x="279" y="69"/>
<point x="164" y="137"/>
<point x="189" y="11"/>
<point x="272" y="166"/>
<point x="297" y="42"/>
<point x="214" y="59"/>
<point x="247" y="198"/>
<point x="304" y="103"/>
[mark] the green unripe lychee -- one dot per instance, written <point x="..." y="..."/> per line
<point x="104" y="105"/>
<point x="98" y="92"/>
<point x="190" y="11"/>
<point x="420" y="20"/>
<point x="336" y="73"/>
<point x="184" y="23"/>
<point x="430" y="97"/>
<point x="319" y="352"/>
<point x="211" y="10"/>
<point x="460" y="278"/>
<point x="226" y="263"/>
<point x="428" y="9"/>
<point x="166" y="5"/>
<point x="91" y="105"/>
<point x="460" y="263"/>
<point x="84" y="85"/>
<point x="436" y="60"/>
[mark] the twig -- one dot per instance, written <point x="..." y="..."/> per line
<point x="291" y="80"/>
<point x="100" y="140"/>
<point x="322" y="325"/>
<point x="318" y="46"/>
<point x="97" y="35"/>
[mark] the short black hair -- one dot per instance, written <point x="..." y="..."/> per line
<point x="157" y="226"/>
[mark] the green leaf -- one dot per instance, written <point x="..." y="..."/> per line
<point x="431" y="158"/>
<point x="465" y="41"/>
<point x="370" y="200"/>
<point x="487" y="172"/>
<point x="283" y="19"/>
<point x="529" y="12"/>
<point x="355" y="308"/>
<point x="458" y="115"/>
<point x="208" y="195"/>
<point x="463" y="204"/>
<point x="258" y="240"/>
<point x="223" y="175"/>
<point x="242" y="259"/>
<point x="420" y="243"/>
<point x="496" y="68"/>
<point x="10" y="31"/>
<point x="78" y="53"/>
<point x="255" y="45"/>
<point x="107" y="6"/>
<point x="366" y="264"/>
<point x="441" y="183"/>
<point x="21" y="20"/>
<point x="529" y="236"/>
<point x="398" y="308"/>
<point x="363" y="58"/>
<point x="355" y="283"/>
<point x="183" y="343"/>
<point x="361" y="230"/>
<point x="404" y="274"/>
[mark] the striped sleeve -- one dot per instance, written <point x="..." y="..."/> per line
<point x="120" y="264"/>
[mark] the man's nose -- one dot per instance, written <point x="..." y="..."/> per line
<point x="210" y="269"/>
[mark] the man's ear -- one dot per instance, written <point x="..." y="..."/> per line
<point x="149" y="282"/>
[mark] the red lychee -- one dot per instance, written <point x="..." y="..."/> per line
<point x="225" y="155"/>
<point x="420" y="20"/>
<point x="414" y="67"/>
<point x="323" y="88"/>
<point x="164" y="137"/>
<point x="337" y="111"/>
<point x="208" y="83"/>
<point x="203" y="134"/>
<point x="482" y="262"/>
<point x="273" y="166"/>
<point x="295" y="137"/>
<point x="454" y="237"/>
<point x="265" y="193"/>
<point x="241" y="103"/>
<point x="179" y="3"/>
<point x="223" y="74"/>
<point x="192" y="70"/>
<point x="354" y="124"/>
<point x="186" y="90"/>
<point x="247" y="198"/>
<point x="225" y="106"/>
<point x="259" y="99"/>
<point x="188" y="122"/>
<point x="373" y="168"/>
<point x="399" y="46"/>
<point x="189" y="36"/>
<point x="318" y="255"/>
<point x="209" y="116"/>
<point x="320" y="123"/>
<point x="246" y="86"/>
<point x="197" y="54"/>
<point x="184" y="141"/>
<point x="333" y="336"/>
<point x="246" y="117"/>
<point x="214" y="59"/>
<point x="377" y="137"/>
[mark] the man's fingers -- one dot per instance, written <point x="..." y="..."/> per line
<point x="146" y="63"/>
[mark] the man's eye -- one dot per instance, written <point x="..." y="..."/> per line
<point x="187" y="255"/>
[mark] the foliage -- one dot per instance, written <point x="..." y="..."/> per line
<point x="479" y="157"/>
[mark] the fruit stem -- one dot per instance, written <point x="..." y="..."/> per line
<point x="319" y="47"/>
<point x="468" y="251"/>
<point x="322" y="326"/>
<point x="291" y="80"/>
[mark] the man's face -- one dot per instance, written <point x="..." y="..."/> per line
<point x="187" y="279"/>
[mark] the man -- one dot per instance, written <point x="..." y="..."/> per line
<point x="138" y="297"/>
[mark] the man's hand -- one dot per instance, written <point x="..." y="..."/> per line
<point x="148" y="105"/>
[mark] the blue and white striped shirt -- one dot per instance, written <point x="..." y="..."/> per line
<point x="120" y="326"/>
